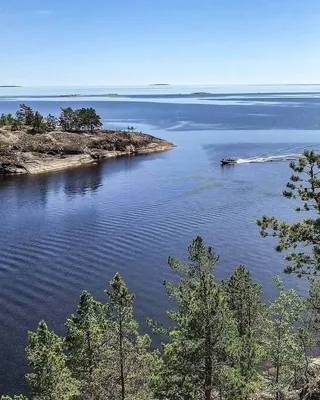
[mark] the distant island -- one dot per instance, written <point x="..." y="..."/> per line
<point x="31" y="143"/>
<point x="90" y="95"/>
<point x="70" y="95"/>
<point x="159" y="84"/>
<point x="200" y="93"/>
<point x="6" y="86"/>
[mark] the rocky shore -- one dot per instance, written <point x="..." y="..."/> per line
<point x="25" y="153"/>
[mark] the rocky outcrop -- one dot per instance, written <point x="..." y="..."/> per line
<point x="25" y="153"/>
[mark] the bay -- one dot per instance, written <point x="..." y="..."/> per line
<point x="72" y="230"/>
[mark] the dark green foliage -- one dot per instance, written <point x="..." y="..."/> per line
<point x="195" y="359"/>
<point x="217" y="338"/>
<point x="38" y="124"/>
<point x="285" y="341"/>
<point x="16" y="124"/>
<point x="244" y="301"/>
<point x="129" y="364"/>
<point x="88" y="119"/>
<point x="6" y="119"/>
<point x="51" y="123"/>
<point x="302" y="237"/>
<point x="78" y="120"/>
<point x="50" y="379"/>
<point x="67" y="119"/>
<point x="86" y="333"/>
<point x="83" y="119"/>
<point x="25" y="114"/>
<point x="313" y="306"/>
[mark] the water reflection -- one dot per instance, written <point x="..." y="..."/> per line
<point x="36" y="190"/>
<point x="82" y="181"/>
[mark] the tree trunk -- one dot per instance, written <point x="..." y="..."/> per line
<point x="208" y="366"/>
<point x="121" y="361"/>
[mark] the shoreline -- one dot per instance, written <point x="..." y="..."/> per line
<point x="22" y="153"/>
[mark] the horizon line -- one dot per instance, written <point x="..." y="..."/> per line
<point x="162" y="84"/>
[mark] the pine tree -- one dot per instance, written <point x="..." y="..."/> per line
<point x="19" y="397"/>
<point x="244" y="301"/>
<point x="4" y="120"/>
<point x="304" y="186"/>
<point x="51" y="122"/>
<point x="50" y="379"/>
<point x="16" y="124"/>
<point x="282" y="341"/>
<point x="86" y="333"/>
<point x="25" y="114"/>
<point x="67" y="119"/>
<point x="313" y="304"/>
<point x="195" y="359"/>
<point x="127" y="365"/>
<point x="88" y="119"/>
<point x="38" y="123"/>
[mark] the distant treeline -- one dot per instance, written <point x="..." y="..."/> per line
<point x="79" y="120"/>
<point x="222" y="343"/>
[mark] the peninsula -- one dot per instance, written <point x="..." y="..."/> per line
<point x="36" y="144"/>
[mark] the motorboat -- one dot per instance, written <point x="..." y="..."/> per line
<point x="228" y="161"/>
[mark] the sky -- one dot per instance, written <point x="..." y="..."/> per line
<point x="137" y="42"/>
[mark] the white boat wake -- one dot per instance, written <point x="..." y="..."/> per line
<point x="262" y="159"/>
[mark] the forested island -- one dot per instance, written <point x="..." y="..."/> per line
<point x="221" y="341"/>
<point x="33" y="143"/>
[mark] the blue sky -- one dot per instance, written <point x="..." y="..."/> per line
<point x="121" y="42"/>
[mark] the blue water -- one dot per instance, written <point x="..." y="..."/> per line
<point x="66" y="231"/>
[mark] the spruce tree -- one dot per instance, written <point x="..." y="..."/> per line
<point x="50" y="378"/>
<point x="86" y="333"/>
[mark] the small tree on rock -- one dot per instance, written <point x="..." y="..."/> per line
<point x="38" y="124"/>
<point x="67" y="119"/>
<point x="25" y="114"/>
<point x="51" y="123"/>
<point x="89" y="119"/>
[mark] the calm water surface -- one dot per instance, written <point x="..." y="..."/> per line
<point x="66" y="231"/>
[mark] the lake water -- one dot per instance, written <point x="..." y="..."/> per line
<point x="66" y="231"/>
